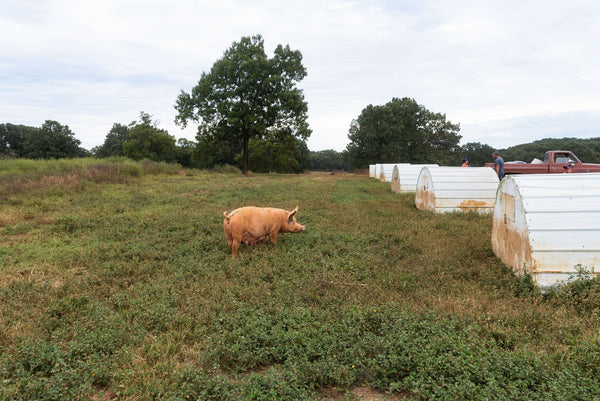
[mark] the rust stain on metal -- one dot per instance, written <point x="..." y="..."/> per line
<point x="471" y="204"/>
<point x="395" y="180"/>
<point x="512" y="248"/>
<point x="425" y="200"/>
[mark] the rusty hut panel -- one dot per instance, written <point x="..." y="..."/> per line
<point x="450" y="189"/>
<point x="548" y="225"/>
<point x="372" y="170"/>
<point x="395" y="180"/>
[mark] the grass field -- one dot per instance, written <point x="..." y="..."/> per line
<point x="116" y="282"/>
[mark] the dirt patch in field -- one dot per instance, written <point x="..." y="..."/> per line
<point x="363" y="394"/>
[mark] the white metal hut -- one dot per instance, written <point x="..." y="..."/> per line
<point x="377" y="170"/>
<point x="548" y="225"/>
<point x="405" y="176"/>
<point x="387" y="169"/>
<point x="372" y="170"/>
<point x="448" y="189"/>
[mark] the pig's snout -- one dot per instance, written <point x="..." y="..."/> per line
<point x="299" y="228"/>
<point x="296" y="228"/>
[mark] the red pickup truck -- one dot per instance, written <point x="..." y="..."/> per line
<point x="555" y="161"/>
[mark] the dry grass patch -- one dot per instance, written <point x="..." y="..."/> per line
<point x="361" y="394"/>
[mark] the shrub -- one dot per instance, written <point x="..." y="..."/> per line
<point x="582" y="292"/>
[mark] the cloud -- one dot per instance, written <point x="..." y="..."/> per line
<point x="508" y="132"/>
<point x="505" y="70"/>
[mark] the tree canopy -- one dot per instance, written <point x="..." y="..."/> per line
<point x="142" y="139"/>
<point x="113" y="143"/>
<point x="278" y="153"/>
<point x="401" y="131"/>
<point x="477" y="153"/>
<point x="147" y="141"/>
<point x="247" y="96"/>
<point x="328" y="160"/>
<point x="51" y="141"/>
<point x="13" y="139"/>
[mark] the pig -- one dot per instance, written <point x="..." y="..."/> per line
<point x="251" y="225"/>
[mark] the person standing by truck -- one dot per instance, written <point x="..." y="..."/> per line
<point x="465" y="162"/>
<point x="498" y="165"/>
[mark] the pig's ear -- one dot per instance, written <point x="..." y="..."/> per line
<point x="292" y="213"/>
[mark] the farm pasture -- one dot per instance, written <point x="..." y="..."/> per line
<point x="116" y="282"/>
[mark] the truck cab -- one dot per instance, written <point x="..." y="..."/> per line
<point x="561" y="161"/>
<point x="555" y="162"/>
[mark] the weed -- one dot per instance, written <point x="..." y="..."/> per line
<point x="581" y="291"/>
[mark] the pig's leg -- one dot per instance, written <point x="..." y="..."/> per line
<point x="234" y="247"/>
<point x="229" y="238"/>
<point x="227" y="229"/>
<point x="236" y="239"/>
<point x="273" y="236"/>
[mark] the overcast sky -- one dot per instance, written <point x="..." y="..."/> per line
<point x="508" y="71"/>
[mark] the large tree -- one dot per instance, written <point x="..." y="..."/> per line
<point x="328" y="160"/>
<point x="13" y="139"/>
<point x="186" y="153"/>
<point x="279" y="153"/>
<point x="52" y="141"/>
<point x="147" y="141"/>
<point x="247" y="95"/>
<point x="477" y="153"/>
<point x="401" y="131"/>
<point x="113" y="143"/>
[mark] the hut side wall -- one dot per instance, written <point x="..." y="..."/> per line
<point x="424" y="197"/>
<point x="378" y="171"/>
<point x="395" y="180"/>
<point x="510" y="237"/>
<point x="448" y="189"/>
<point x="372" y="170"/>
<point x="557" y="217"/>
<point x="406" y="177"/>
<point x="387" y="170"/>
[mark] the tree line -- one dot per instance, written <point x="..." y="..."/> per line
<point x="144" y="139"/>
<point x="251" y="114"/>
<point x="50" y="141"/>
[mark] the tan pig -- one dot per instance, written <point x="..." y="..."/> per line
<point x="251" y="225"/>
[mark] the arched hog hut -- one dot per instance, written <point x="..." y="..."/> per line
<point x="372" y="170"/>
<point x="448" y="189"/>
<point x="405" y="176"/>
<point x="377" y="170"/>
<point x="385" y="175"/>
<point x="548" y="225"/>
